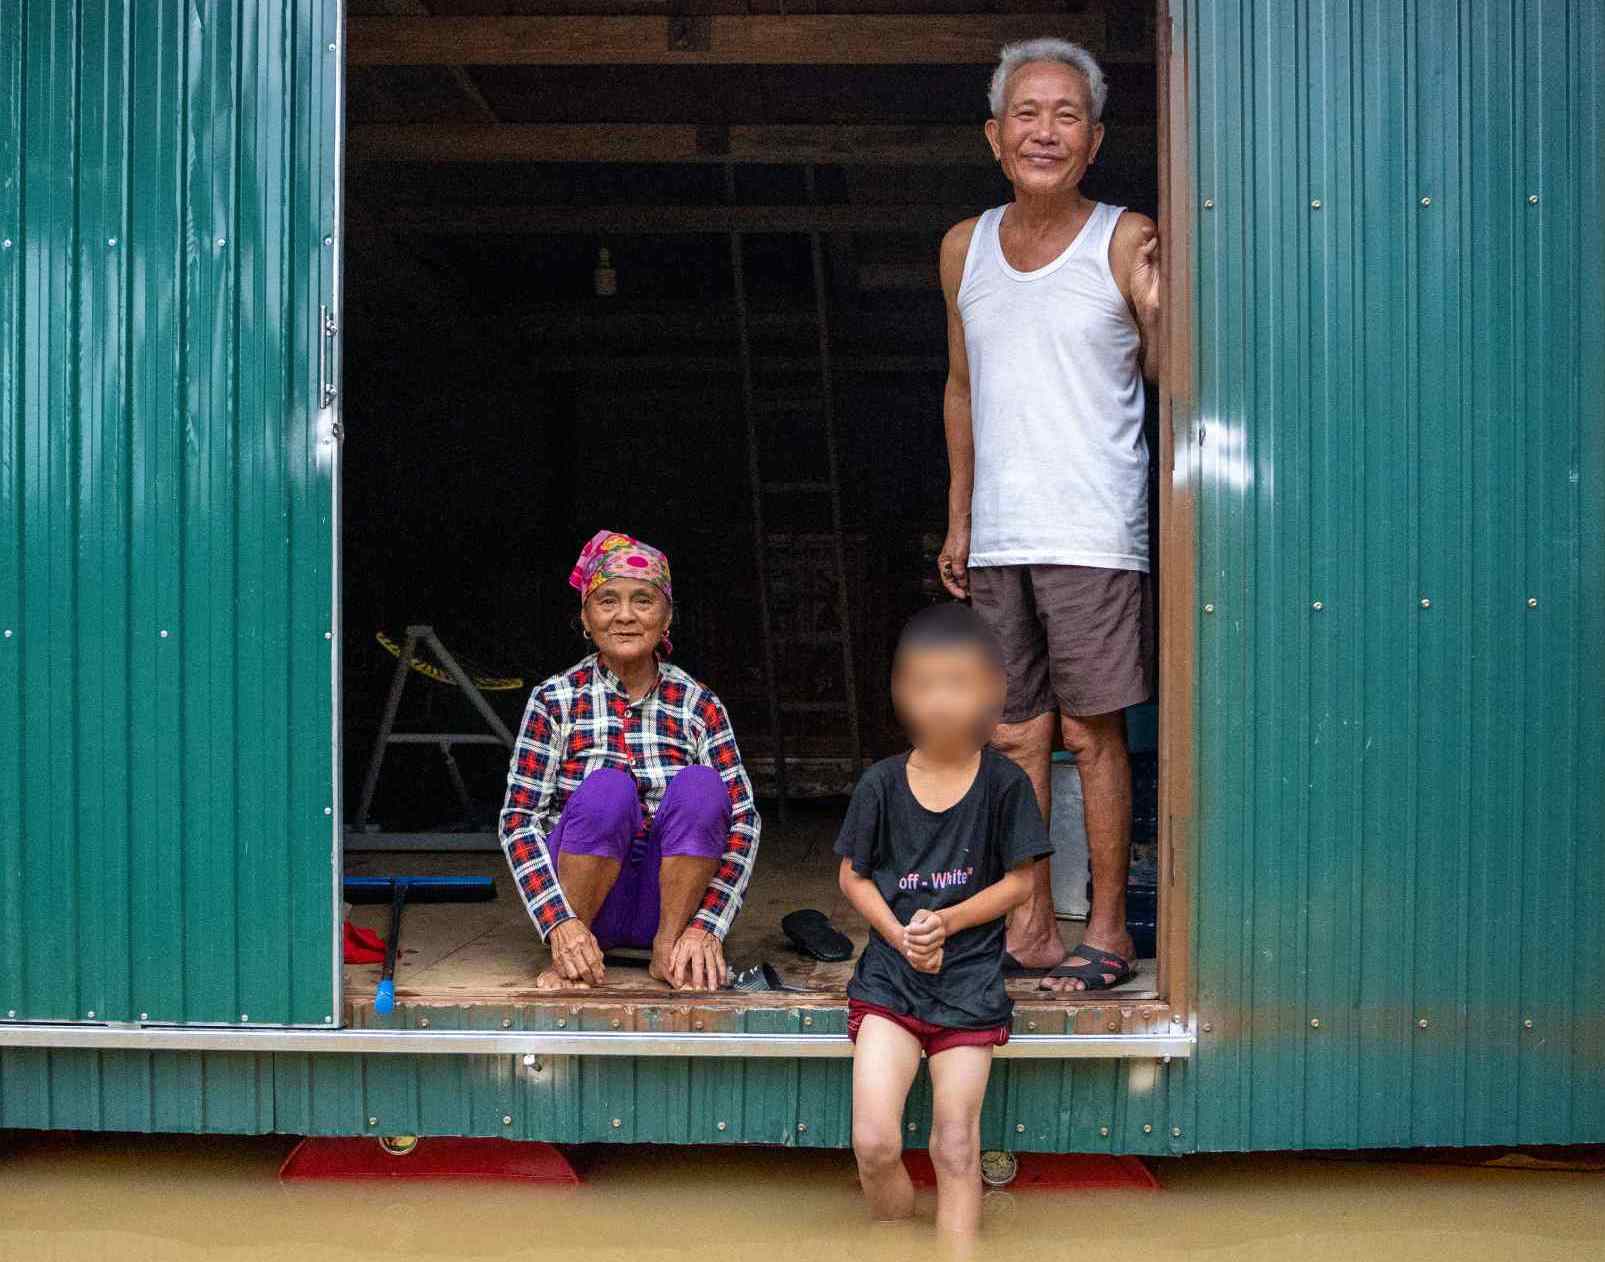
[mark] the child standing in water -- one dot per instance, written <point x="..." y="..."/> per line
<point x="936" y="850"/>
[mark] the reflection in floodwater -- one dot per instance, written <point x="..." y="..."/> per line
<point x="161" y="1199"/>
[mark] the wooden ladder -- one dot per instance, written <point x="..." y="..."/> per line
<point x="826" y="485"/>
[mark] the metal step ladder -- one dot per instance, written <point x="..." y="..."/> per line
<point x="408" y="658"/>
<point x="822" y="487"/>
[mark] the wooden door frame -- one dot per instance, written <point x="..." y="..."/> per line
<point x="1178" y="481"/>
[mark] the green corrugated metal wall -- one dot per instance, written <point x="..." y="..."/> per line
<point x="1033" y="1106"/>
<point x="1062" y="1105"/>
<point x="1401" y="397"/>
<point x="165" y="510"/>
<point x="1400" y="341"/>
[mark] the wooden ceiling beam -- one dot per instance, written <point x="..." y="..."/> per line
<point x="445" y="219"/>
<point x="871" y="144"/>
<point x="458" y="75"/>
<point x="716" y="39"/>
<point x="706" y="365"/>
<point x="876" y="144"/>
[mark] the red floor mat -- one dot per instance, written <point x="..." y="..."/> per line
<point x="359" y="1157"/>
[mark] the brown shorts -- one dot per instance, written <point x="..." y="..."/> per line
<point x="1075" y="638"/>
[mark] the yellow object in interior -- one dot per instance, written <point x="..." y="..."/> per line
<point x="485" y="683"/>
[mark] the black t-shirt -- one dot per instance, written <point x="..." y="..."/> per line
<point x="920" y="858"/>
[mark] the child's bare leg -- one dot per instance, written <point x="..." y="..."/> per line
<point x="885" y="1059"/>
<point x="958" y="1081"/>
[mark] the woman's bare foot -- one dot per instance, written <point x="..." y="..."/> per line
<point x="551" y="979"/>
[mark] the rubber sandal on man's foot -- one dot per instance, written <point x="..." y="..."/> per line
<point x="1103" y="970"/>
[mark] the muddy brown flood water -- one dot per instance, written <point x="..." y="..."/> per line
<point x="160" y="1199"/>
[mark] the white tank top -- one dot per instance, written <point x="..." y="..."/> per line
<point x="1056" y="404"/>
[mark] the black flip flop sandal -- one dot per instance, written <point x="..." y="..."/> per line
<point x="757" y="979"/>
<point x="1091" y="975"/>
<point x="812" y="933"/>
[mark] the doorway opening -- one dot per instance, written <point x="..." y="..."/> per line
<point x="718" y="306"/>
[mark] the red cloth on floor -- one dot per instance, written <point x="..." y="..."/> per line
<point x="362" y="946"/>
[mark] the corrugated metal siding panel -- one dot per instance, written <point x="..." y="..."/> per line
<point x="1047" y="1106"/>
<point x="1061" y="1106"/>
<point x="1399" y="376"/>
<point x="1584" y="583"/>
<point x="165" y="749"/>
<point x="11" y="927"/>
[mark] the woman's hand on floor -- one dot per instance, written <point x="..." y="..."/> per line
<point x="575" y="953"/>
<point x="697" y="961"/>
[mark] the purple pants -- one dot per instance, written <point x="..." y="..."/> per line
<point x="602" y="818"/>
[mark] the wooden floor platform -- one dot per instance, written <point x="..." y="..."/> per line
<point x="463" y="954"/>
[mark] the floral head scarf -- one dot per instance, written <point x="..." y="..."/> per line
<point x="609" y="554"/>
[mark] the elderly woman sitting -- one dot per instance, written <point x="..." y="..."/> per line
<point x="629" y="819"/>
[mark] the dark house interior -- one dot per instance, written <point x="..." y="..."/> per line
<point x="671" y="300"/>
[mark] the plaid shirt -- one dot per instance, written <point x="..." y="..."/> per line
<point x="582" y="720"/>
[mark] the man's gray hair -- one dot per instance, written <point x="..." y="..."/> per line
<point x="1048" y="48"/>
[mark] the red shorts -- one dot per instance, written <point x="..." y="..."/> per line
<point x="933" y="1038"/>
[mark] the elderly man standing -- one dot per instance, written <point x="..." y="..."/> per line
<point x="1053" y="305"/>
